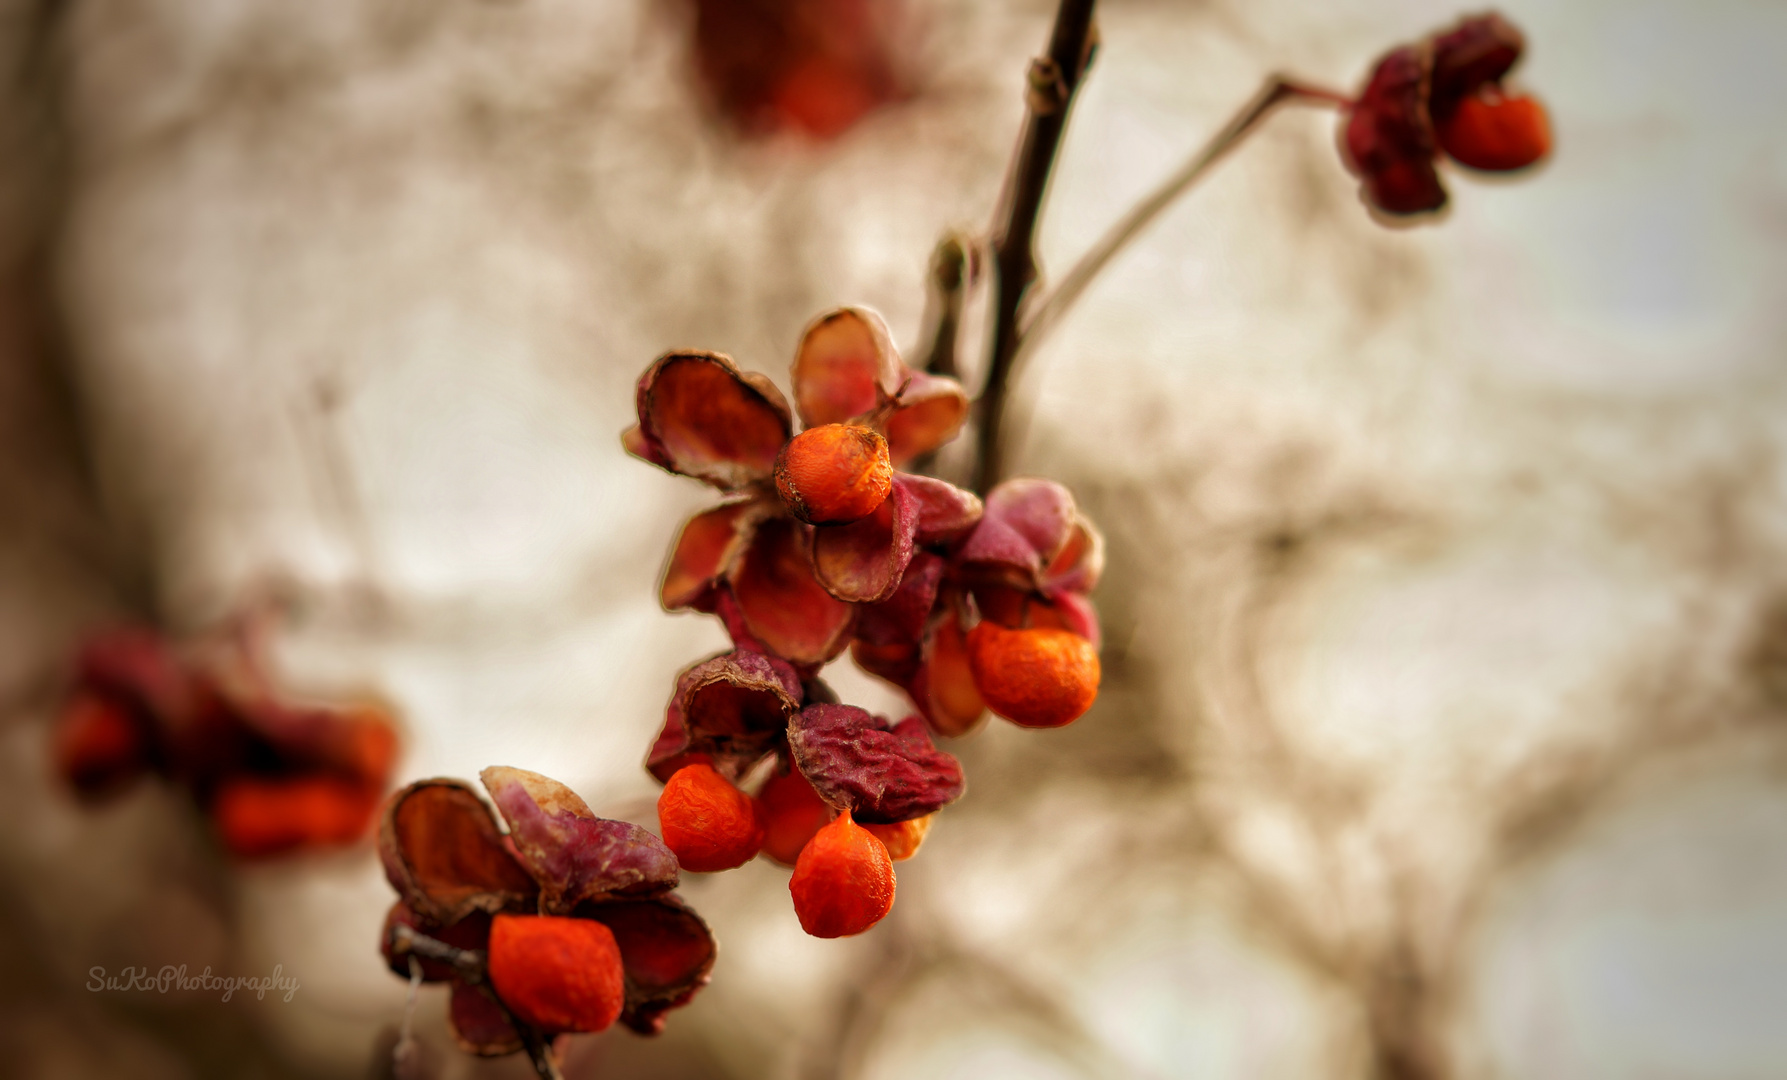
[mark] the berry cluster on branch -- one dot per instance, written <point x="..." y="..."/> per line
<point x="822" y="546"/>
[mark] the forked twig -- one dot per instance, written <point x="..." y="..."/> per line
<point x="1039" y="317"/>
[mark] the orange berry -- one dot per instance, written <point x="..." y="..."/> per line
<point x="903" y="838"/>
<point x="98" y="745"/>
<point x="707" y="821"/>
<point x="792" y="813"/>
<point x="257" y="816"/>
<point x="557" y="973"/>
<point x="843" y="882"/>
<point x="1040" y="677"/>
<point x="956" y="703"/>
<point x="834" y="473"/>
<point x="1495" y="133"/>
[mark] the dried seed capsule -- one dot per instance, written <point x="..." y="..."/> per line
<point x="557" y="973"/>
<point x="834" y="473"/>
<point x="1038" y="677"/>
<point x="1495" y="133"/>
<point x="792" y="813"/>
<point x="903" y="838"/>
<point x="844" y="881"/>
<point x="707" y="822"/>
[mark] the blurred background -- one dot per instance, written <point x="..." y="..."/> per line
<point x="1444" y="722"/>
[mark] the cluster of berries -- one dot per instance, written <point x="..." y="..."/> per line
<point x="570" y="919"/>
<point x="820" y="546"/>
<point x="271" y="775"/>
<point x="1443" y="93"/>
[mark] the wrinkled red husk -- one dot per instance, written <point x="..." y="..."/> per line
<point x="479" y="1026"/>
<point x="471" y="932"/>
<point x="781" y="603"/>
<point x="700" y="416"/>
<point x="815" y="66"/>
<point x="557" y="974"/>
<point x="704" y="552"/>
<point x="257" y="817"/>
<point x="357" y="741"/>
<point x="1028" y="521"/>
<point x="883" y="774"/>
<point x="792" y="813"/>
<point x="897" y="662"/>
<point x="1017" y="608"/>
<point x="1480" y="50"/>
<point x="1389" y="140"/>
<point x="845" y="366"/>
<point x="733" y="619"/>
<point x="574" y="854"/>
<point x="946" y="513"/>
<point x="729" y="711"/>
<point x="667" y="952"/>
<point x="930" y="412"/>
<point x="445" y="856"/>
<point x="861" y="563"/>
<point x="900" y="619"/>
<point x="670" y="751"/>
<point x="191" y="736"/>
<point x="1079" y="563"/>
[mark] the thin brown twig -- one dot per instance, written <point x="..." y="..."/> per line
<point x="1052" y="83"/>
<point x="947" y="285"/>
<point x="1048" y="309"/>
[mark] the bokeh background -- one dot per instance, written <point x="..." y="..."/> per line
<point x="1444" y="727"/>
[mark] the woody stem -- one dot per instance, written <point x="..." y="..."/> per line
<point x="472" y="966"/>
<point x="1052" y="82"/>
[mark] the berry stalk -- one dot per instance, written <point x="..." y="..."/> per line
<point x="1042" y="315"/>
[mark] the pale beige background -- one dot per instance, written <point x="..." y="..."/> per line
<point x="1442" y="729"/>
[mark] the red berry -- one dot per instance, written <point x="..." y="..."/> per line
<point x="834" y="474"/>
<point x="844" y="881"/>
<point x="902" y="838"/>
<point x="792" y="813"/>
<point x="1495" y="133"/>
<point x="1040" y="677"/>
<point x="956" y="703"/>
<point x="708" y="822"/>
<point x="556" y="973"/>
<point x="258" y="816"/>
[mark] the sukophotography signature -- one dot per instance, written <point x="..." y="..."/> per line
<point x="169" y="977"/>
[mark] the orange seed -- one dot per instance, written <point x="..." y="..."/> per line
<point x="834" y="473"/>
<point x="707" y="821"/>
<point x="903" y="838"/>
<point x="258" y="816"/>
<point x="1495" y="133"/>
<point x="1039" y="677"/>
<point x="556" y="973"/>
<point x="792" y="813"/>
<point x="843" y="882"/>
